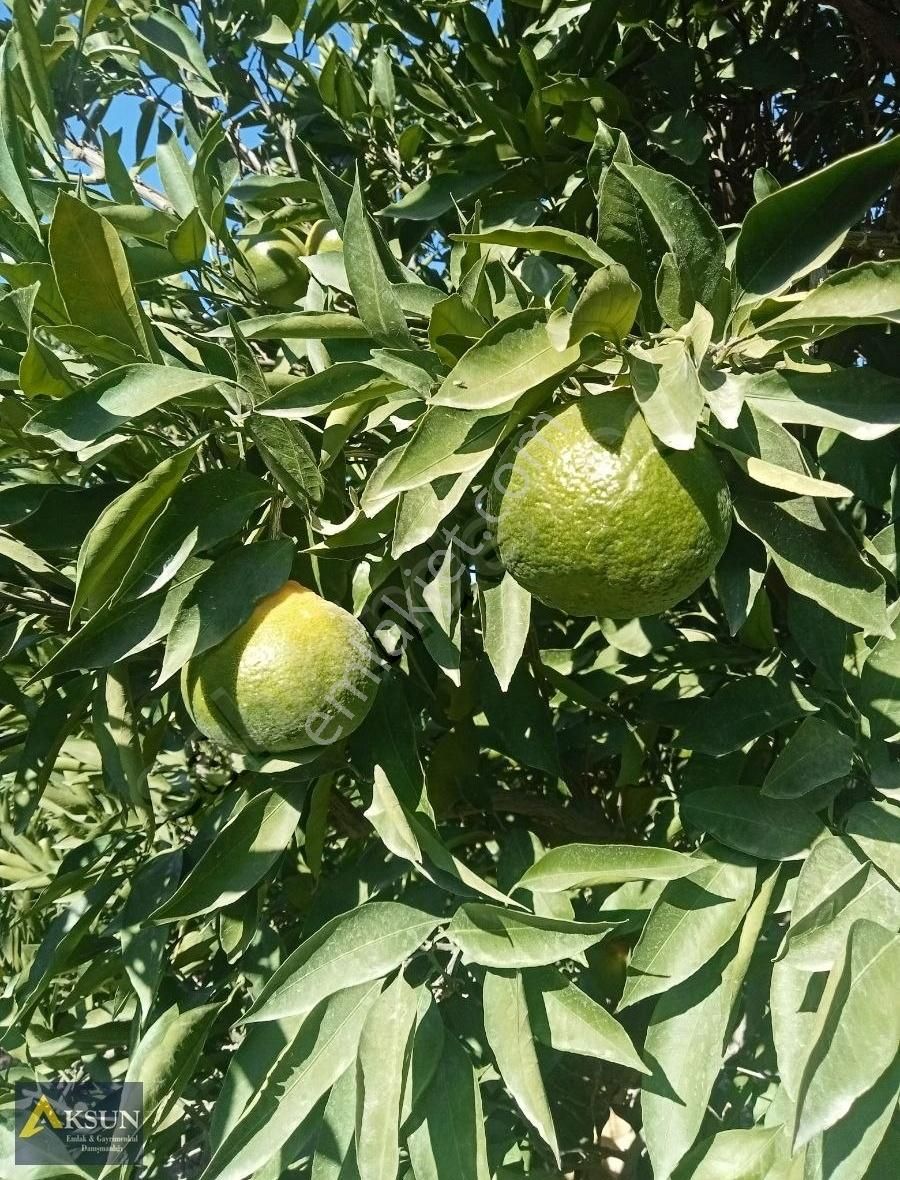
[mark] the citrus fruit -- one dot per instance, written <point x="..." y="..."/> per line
<point x="300" y="672"/>
<point x="276" y="261"/>
<point x="322" y="238"/>
<point x="594" y="518"/>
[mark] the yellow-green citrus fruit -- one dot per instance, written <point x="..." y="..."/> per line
<point x="322" y="238"/>
<point x="593" y="517"/>
<point x="300" y="672"/>
<point x="276" y="261"/>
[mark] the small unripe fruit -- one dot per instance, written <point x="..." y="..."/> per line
<point x="322" y="238"/>
<point x="276" y="261"/>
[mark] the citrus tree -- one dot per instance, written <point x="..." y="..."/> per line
<point x="449" y="577"/>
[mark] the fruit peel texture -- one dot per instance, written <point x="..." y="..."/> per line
<point x="596" y="520"/>
<point x="300" y="672"/>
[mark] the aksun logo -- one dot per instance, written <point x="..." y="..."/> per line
<point x="88" y="1122"/>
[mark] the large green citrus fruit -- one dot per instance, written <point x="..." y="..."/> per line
<point x="595" y="518"/>
<point x="300" y="672"/>
<point x="276" y="261"/>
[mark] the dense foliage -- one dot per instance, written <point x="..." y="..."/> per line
<point x="580" y="897"/>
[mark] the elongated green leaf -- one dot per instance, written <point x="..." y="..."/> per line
<point x="740" y="818"/>
<point x="164" y="1059"/>
<point x="874" y="826"/>
<point x="509" y="1034"/>
<point x="166" y="33"/>
<point x="321" y="1051"/>
<point x="114" y="400"/>
<point x="439" y="193"/>
<point x="696" y="1014"/>
<point x="578" y="866"/>
<point x="447" y="1137"/>
<point x="740" y="711"/>
<point x="862" y="294"/>
<point x="857" y="1033"/>
<point x="668" y="389"/>
<point x="199" y="514"/>
<point x="505" y="618"/>
<point x="335" y="1156"/>
<point x="567" y="1019"/>
<point x="692" y="236"/>
<point x="239" y="856"/>
<point x="798" y="228"/>
<point x="301" y="325"/>
<point x="496" y="937"/>
<point x="548" y="238"/>
<point x="693" y="918"/>
<point x="515" y="356"/>
<point x="816" y="754"/>
<point x="750" y="1154"/>
<point x="364" y="944"/>
<point x="223" y="598"/>
<point x="818" y="559"/>
<point x="92" y="274"/>
<point x="835" y="889"/>
<point x="381" y="1071"/>
<point x="379" y="308"/>
<point x="14" y="180"/>
<point x="288" y="455"/>
<point x="110" y="545"/>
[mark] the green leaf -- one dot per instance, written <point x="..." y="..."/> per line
<point x="355" y="947"/>
<point x="818" y="559"/>
<point x="740" y="711"/>
<point x="114" y="400"/>
<point x="241" y="854"/>
<point x="568" y="1020"/>
<point x="92" y="274"/>
<point x="606" y="307"/>
<point x="165" y="1057"/>
<point x="772" y="456"/>
<point x="696" y="244"/>
<point x="580" y="866"/>
<point x="496" y="937"/>
<point x="201" y="512"/>
<point x="508" y="1029"/>
<point x="30" y="55"/>
<point x="750" y="1154"/>
<point x="505" y="619"/>
<point x="14" y="179"/>
<point x="628" y="232"/>
<point x="347" y="383"/>
<point x="857" y="1032"/>
<point x="310" y="1065"/>
<point x="864" y="294"/>
<point x="301" y="325"/>
<point x="335" y="1156"/>
<point x="874" y="827"/>
<point x="835" y="888"/>
<point x="667" y="387"/>
<point x="798" y="228"/>
<point x="741" y="818"/>
<point x="164" y="32"/>
<point x="431" y="198"/>
<point x="693" y="918"/>
<point x="381" y="1072"/>
<point x="109" y="547"/>
<point x="548" y="238"/>
<point x="816" y="754"/>
<point x="223" y="598"/>
<point x="447" y="1137"/>
<point x="125" y="629"/>
<point x="287" y="454"/>
<point x="515" y="356"/>
<point x="378" y="305"/>
<point x="697" y="1014"/>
